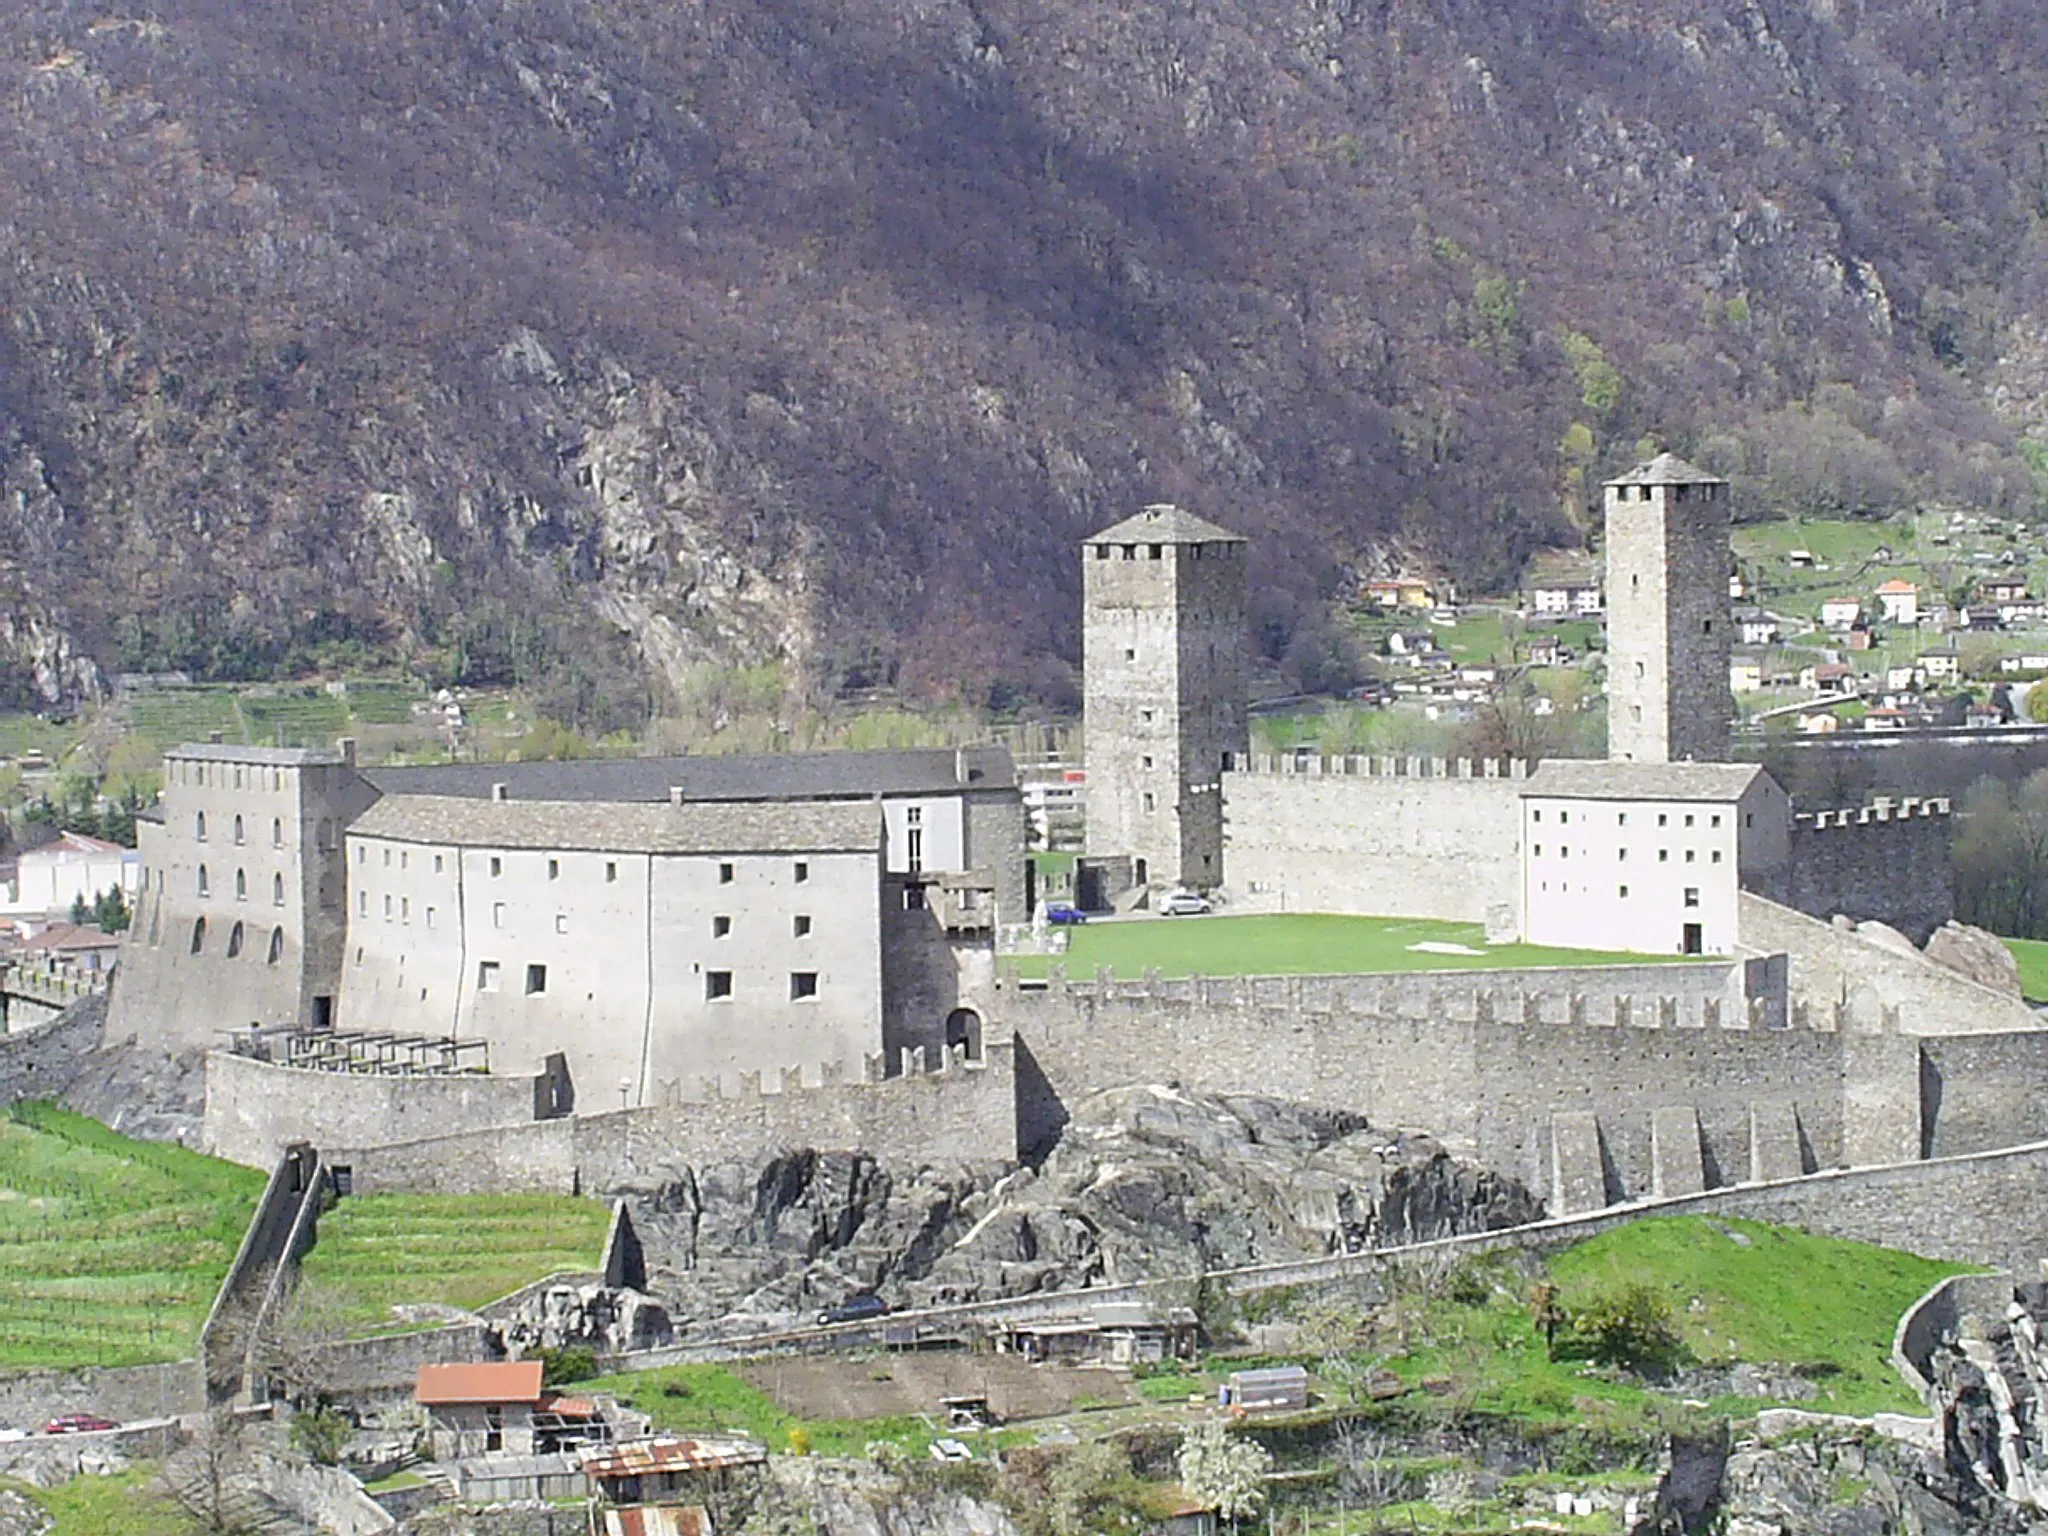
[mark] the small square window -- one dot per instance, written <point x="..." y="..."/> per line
<point x="717" y="984"/>
<point x="725" y="874"/>
<point x="1717" y="856"/>
<point x="1536" y="815"/>
<point x="497" y="866"/>
<point x="800" y="925"/>
<point x="1151" y="801"/>
<point x="803" y="872"/>
<point x="1688" y="818"/>
<point x="1663" y="820"/>
<point x="611" y="872"/>
<point x="1564" y="818"/>
<point x="1749" y="818"/>
<point x="1713" y="821"/>
<point x="802" y="984"/>
<point x="1689" y="855"/>
<point x="720" y="926"/>
<point x="1692" y="895"/>
<point x="1663" y="855"/>
<point x="1623" y="890"/>
<point x="1539" y="850"/>
<point x="1129" y="654"/>
<point x="1148" y="761"/>
<point x="497" y="914"/>
<point x="1145" y="715"/>
<point x="913" y="898"/>
<point x="561" y="922"/>
<point x="536" y="980"/>
<point x="1621" y="855"/>
<point x="487" y="976"/>
<point x="430" y="917"/>
<point x="554" y="869"/>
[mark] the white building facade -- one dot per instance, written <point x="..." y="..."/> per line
<point x="72" y="868"/>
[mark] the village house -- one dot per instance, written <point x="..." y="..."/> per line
<point x="1401" y="592"/>
<point x="659" y="1486"/>
<point x="1548" y="651"/>
<point x="1828" y="677"/>
<point x="1902" y="678"/>
<point x="1999" y="590"/>
<point x="1859" y="637"/>
<point x="1839" y="612"/>
<point x="72" y="949"/>
<point x="481" y="1410"/>
<point x="70" y="868"/>
<point x="1562" y="586"/>
<point x="1899" y="602"/>
<point x="1745" y="675"/>
<point x="1755" y="627"/>
<point x="1940" y="665"/>
<point x="1113" y="1333"/>
<point x="2028" y="661"/>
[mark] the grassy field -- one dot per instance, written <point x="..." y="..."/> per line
<point x="702" y="1398"/>
<point x="130" y="1503"/>
<point x="1739" y="1291"/>
<point x="2032" y="955"/>
<point x="110" y="1249"/>
<point x="1295" y="944"/>
<point x="378" y="1251"/>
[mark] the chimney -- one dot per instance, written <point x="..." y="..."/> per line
<point x="501" y="791"/>
<point x="347" y="744"/>
<point x="675" y="794"/>
<point x="215" y="737"/>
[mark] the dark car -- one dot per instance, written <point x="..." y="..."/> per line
<point x="1063" y="914"/>
<point x="78" y="1424"/>
<point x="854" y="1309"/>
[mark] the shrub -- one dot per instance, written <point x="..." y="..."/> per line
<point x="321" y="1435"/>
<point x="1632" y="1328"/>
<point x="567" y="1364"/>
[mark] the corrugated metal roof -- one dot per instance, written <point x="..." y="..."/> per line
<point x="696" y="827"/>
<point x="505" y="1381"/>
<point x="762" y="776"/>
<point x="670" y="1453"/>
<point x="658" y="1520"/>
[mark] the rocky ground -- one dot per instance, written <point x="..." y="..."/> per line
<point x="1145" y="1181"/>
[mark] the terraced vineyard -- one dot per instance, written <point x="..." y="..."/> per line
<point x="110" y="1249"/>
<point x="380" y="1251"/>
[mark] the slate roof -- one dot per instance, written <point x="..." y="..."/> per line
<point x="1164" y="523"/>
<point x="266" y="757"/>
<point x="696" y="827"/>
<point x="770" y="776"/>
<point x="1666" y="469"/>
<point x="1576" y="779"/>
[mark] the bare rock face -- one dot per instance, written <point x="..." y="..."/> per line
<point x="1146" y="1181"/>
<point x="1976" y="954"/>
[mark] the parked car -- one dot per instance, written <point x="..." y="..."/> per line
<point x="1064" y="913"/>
<point x="7" y="1433"/>
<point x="1184" y="904"/>
<point x="78" y="1424"/>
<point x="854" y="1309"/>
<point x="950" y="1450"/>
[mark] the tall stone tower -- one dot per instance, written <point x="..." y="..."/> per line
<point x="1163" y="636"/>
<point x="1667" y="615"/>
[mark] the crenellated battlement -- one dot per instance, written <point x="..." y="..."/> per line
<point x="913" y="1064"/>
<point x="1878" y="812"/>
<point x="1363" y="765"/>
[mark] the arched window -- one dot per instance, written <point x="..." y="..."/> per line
<point x="276" y="832"/>
<point x="963" y="1031"/>
<point x="276" y="945"/>
<point x="198" y="935"/>
<point x="203" y="888"/>
<point x="277" y="890"/>
<point x="199" y="827"/>
<point x="238" y="831"/>
<point x="234" y="941"/>
<point x="241" y="885"/>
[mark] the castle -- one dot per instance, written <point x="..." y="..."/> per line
<point x="669" y="960"/>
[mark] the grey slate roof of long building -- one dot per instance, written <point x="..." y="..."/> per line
<point x="773" y="776"/>
<point x="1583" y="779"/>
<point x="701" y="827"/>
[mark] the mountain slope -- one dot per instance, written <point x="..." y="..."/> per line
<point x="590" y="342"/>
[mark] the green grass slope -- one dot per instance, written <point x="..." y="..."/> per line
<point x="111" y="1249"/>
<point x="2032" y="955"/>
<point x="1296" y="944"/>
<point x="379" y="1251"/>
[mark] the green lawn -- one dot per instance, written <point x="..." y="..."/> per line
<point x="705" y="1398"/>
<point x="2032" y="955"/>
<point x="130" y="1503"/>
<point x="1295" y="944"/>
<point x="377" y="1251"/>
<point x="111" y="1249"/>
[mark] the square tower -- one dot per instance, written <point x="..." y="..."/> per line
<point x="1667" y="615"/>
<point x="1163" y="690"/>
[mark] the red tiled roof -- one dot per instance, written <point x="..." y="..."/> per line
<point x="508" y="1381"/>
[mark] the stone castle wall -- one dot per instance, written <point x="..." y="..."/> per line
<point x="39" y="1062"/>
<point x="1883" y="863"/>
<point x="378" y="1128"/>
<point x="1385" y="837"/>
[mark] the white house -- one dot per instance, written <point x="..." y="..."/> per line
<point x="1839" y="612"/>
<point x="1939" y="664"/>
<point x="47" y="880"/>
<point x="1745" y="675"/>
<point x="1899" y="602"/>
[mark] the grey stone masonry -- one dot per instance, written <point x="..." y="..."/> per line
<point x="1667" y="614"/>
<point x="1163" y="691"/>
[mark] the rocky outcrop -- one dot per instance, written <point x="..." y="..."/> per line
<point x="1145" y="1181"/>
<point x="1979" y="955"/>
<point x="598" y="1317"/>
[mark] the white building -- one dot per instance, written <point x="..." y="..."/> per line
<point x="1647" y="858"/>
<point x="1899" y="602"/>
<point x="1839" y="612"/>
<point x="47" y="880"/>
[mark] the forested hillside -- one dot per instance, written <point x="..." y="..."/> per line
<point x="584" y="342"/>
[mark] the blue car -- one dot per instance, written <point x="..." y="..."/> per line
<point x="1064" y="914"/>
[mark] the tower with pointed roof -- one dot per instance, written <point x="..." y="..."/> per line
<point x="1163" y="686"/>
<point x="1667" y="614"/>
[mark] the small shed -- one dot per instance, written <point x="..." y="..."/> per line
<point x="1274" y="1389"/>
<point x="663" y="1478"/>
<point x="1113" y="1333"/>
<point x="520" y="1479"/>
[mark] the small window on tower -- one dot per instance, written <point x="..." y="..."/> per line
<point x="800" y="925"/>
<point x="717" y="984"/>
<point x="725" y="874"/>
<point x="1151" y="802"/>
<point x="487" y="976"/>
<point x="802" y="984"/>
<point x="536" y="980"/>
<point x="1692" y="895"/>
<point x="721" y="925"/>
<point x="1129" y="654"/>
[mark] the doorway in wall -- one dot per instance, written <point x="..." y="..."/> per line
<point x="323" y="1013"/>
<point x="1691" y="943"/>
